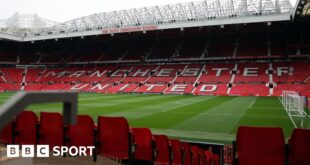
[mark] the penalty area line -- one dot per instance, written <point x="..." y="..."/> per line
<point x="252" y="103"/>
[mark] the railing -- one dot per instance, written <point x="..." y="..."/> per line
<point x="21" y="100"/>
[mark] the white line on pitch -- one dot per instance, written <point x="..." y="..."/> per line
<point x="288" y="113"/>
<point x="252" y="103"/>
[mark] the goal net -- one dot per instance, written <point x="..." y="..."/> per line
<point x="293" y="103"/>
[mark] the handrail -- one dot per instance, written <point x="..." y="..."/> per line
<point x="21" y="100"/>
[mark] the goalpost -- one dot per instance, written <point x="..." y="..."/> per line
<point x="294" y="105"/>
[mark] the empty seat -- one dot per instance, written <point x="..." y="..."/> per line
<point x="216" y="159"/>
<point x="202" y="157"/>
<point x="51" y="130"/>
<point x="195" y="155"/>
<point x="300" y="147"/>
<point x="83" y="128"/>
<point x="143" y="140"/>
<point x="6" y="134"/>
<point x="162" y="150"/>
<point x="26" y="128"/>
<point x="114" y="137"/>
<point x="209" y="157"/>
<point x="176" y="152"/>
<point x="260" y="145"/>
<point x="186" y="153"/>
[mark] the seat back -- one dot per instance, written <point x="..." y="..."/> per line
<point x="300" y="147"/>
<point x="202" y="157"/>
<point x="186" y="153"/>
<point x="195" y="155"/>
<point x="216" y="159"/>
<point x="260" y="145"/>
<point x="26" y="128"/>
<point x="176" y="151"/>
<point x="162" y="149"/>
<point x="113" y="136"/>
<point x="51" y="130"/>
<point x="6" y="134"/>
<point x="144" y="144"/>
<point x="83" y="128"/>
<point x="209" y="157"/>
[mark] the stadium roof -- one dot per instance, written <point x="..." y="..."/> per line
<point x="302" y="8"/>
<point x="182" y="15"/>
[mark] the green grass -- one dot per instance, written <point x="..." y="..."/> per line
<point x="204" y="118"/>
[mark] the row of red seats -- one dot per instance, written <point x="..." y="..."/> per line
<point x="266" y="146"/>
<point x="112" y="137"/>
<point x="211" y="73"/>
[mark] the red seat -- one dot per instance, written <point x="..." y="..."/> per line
<point x="26" y="128"/>
<point x="260" y="145"/>
<point x="6" y="135"/>
<point x="300" y="147"/>
<point x="162" y="150"/>
<point x="209" y="157"/>
<point x="186" y="153"/>
<point x="176" y="152"/>
<point x="83" y="128"/>
<point x="113" y="136"/>
<point x="143" y="140"/>
<point x="216" y="159"/>
<point x="51" y="129"/>
<point x="195" y="155"/>
<point x="202" y="157"/>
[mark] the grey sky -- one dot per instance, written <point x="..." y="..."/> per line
<point x="64" y="10"/>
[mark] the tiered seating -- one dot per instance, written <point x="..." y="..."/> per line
<point x="12" y="74"/>
<point x="123" y="88"/>
<point x="32" y="75"/>
<point x="152" y="88"/>
<point x="221" y="46"/>
<point x="252" y="72"/>
<point x="112" y="138"/>
<point x="165" y="49"/>
<point x="189" y="75"/>
<point x="180" y="89"/>
<point x="301" y="88"/>
<point x="209" y="89"/>
<point x="248" y="46"/>
<point x="215" y="73"/>
<point x="248" y="79"/>
<point x="165" y="73"/>
<point x="249" y="90"/>
<point x="191" y="48"/>
<point x="139" y="73"/>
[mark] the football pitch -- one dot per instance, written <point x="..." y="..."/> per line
<point x="204" y="118"/>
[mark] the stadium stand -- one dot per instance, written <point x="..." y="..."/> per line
<point x="255" y="58"/>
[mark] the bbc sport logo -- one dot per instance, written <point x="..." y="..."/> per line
<point x="43" y="151"/>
